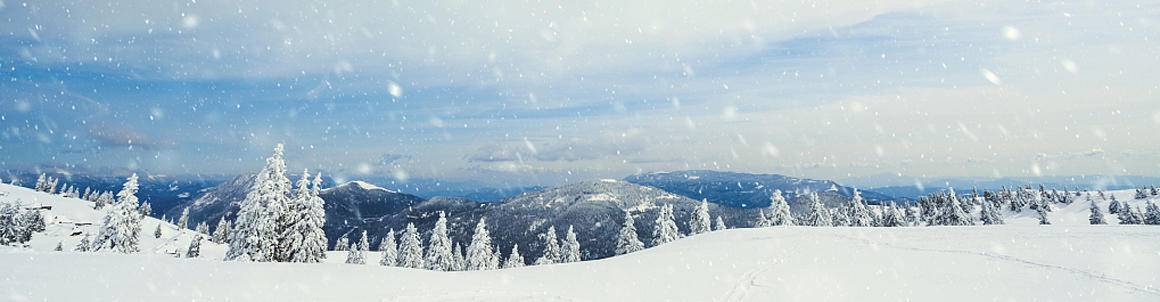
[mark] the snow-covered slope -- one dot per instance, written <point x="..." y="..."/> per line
<point x="1021" y="261"/>
<point x="71" y="218"/>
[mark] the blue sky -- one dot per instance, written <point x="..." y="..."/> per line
<point x="545" y="92"/>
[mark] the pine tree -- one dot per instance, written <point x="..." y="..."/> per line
<point x="859" y="215"/>
<point x="626" y="240"/>
<point x="121" y="227"/>
<point x="1096" y="216"/>
<point x="84" y="245"/>
<point x="953" y="213"/>
<point x="819" y="216"/>
<point x="157" y="231"/>
<point x="183" y="222"/>
<point x="514" y="259"/>
<point x="666" y="228"/>
<point x="439" y="247"/>
<point x="479" y="252"/>
<point x="893" y="217"/>
<point x="458" y="263"/>
<point x="551" y="248"/>
<point x="780" y="209"/>
<point x="762" y="220"/>
<point x="146" y="209"/>
<point x="1140" y="194"/>
<point x="701" y="222"/>
<point x="1114" y="206"/>
<point x="989" y="214"/>
<point x="1042" y="216"/>
<point x="389" y="249"/>
<point x="305" y="240"/>
<point x="411" y="248"/>
<point x="571" y="252"/>
<point x="59" y="247"/>
<point x="40" y="183"/>
<point x="342" y="244"/>
<point x="1137" y="215"/>
<point x="202" y="228"/>
<point x="222" y="231"/>
<point x="719" y="225"/>
<point x="357" y="252"/>
<point x="255" y="234"/>
<point x="194" y="249"/>
<point x="495" y="260"/>
<point x="839" y="217"/>
<point x="1152" y="215"/>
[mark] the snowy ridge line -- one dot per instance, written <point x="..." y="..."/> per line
<point x="1098" y="276"/>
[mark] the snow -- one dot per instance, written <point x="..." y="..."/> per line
<point x="1020" y="261"/>
<point x="364" y="185"/>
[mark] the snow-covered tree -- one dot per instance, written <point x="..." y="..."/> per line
<point x="183" y="221"/>
<point x="121" y="227"/>
<point x="411" y="248"/>
<point x="1043" y="220"/>
<point x="1136" y="214"/>
<point x="666" y="228"/>
<point x="439" y="247"/>
<point x="626" y="240"/>
<point x="1140" y="194"/>
<point x="202" y="228"/>
<point x="954" y="214"/>
<point x="701" y="222"/>
<point x="479" y="252"/>
<point x="389" y="249"/>
<point x="719" y="224"/>
<point x="514" y="259"/>
<point x="305" y="240"/>
<point x="342" y="244"/>
<point x="255" y="233"/>
<point x="762" y="220"/>
<point x="103" y="200"/>
<point x="146" y="209"/>
<point x="551" y="248"/>
<point x="818" y="216"/>
<point x="59" y="247"/>
<point x="989" y="214"/>
<point x="194" y="249"/>
<point x="1114" y="206"/>
<point x="222" y="231"/>
<point x="839" y="216"/>
<point x="1152" y="214"/>
<point x="858" y="214"/>
<point x="779" y="209"/>
<point x="40" y="183"/>
<point x="357" y="252"/>
<point x="457" y="260"/>
<point x="84" y="245"/>
<point x="157" y="231"/>
<point x="1096" y="216"/>
<point x="571" y="247"/>
<point x="893" y="217"/>
<point x="14" y="228"/>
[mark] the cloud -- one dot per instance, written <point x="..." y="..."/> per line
<point x="124" y="135"/>
<point x="554" y="151"/>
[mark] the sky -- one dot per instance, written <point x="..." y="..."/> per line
<point x="546" y="92"/>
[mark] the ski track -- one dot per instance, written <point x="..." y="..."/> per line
<point x="1089" y="274"/>
<point x="741" y="289"/>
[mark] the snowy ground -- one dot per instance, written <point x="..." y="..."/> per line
<point x="1021" y="261"/>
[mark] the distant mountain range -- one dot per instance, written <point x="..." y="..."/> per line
<point x="915" y="187"/>
<point x="744" y="190"/>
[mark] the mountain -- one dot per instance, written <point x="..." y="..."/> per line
<point x="163" y="192"/>
<point x="744" y="190"/>
<point x="913" y="187"/>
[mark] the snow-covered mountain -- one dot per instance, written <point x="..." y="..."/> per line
<point x="746" y="190"/>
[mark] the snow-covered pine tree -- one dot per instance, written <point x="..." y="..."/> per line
<point x="84" y="245"/>
<point x="1043" y="219"/>
<point x="59" y="247"/>
<point x="1114" y="206"/>
<point x="221" y="233"/>
<point x="121" y="227"/>
<point x="342" y="244"/>
<point x="859" y="215"/>
<point x="551" y="248"/>
<point x="953" y="213"/>
<point x="1096" y="216"/>
<point x="626" y="240"/>
<point x="762" y="220"/>
<point x="893" y="217"/>
<point x="194" y="249"/>
<point x="514" y="259"/>
<point x="40" y="183"/>
<point x="305" y="241"/>
<point x="255" y="233"/>
<point x="183" y="222"/>
<point x="666" y="228"/>
<point x="103" y="200"/>
<point x="389" y="249"/>
<point x="157" y="231"/>
<point x="202" y="228"/>
<point x="146" y="209"/>
<point x="1152" y="214"/>
<point x="479" y="252"/>
<point x="496" y="258"/>
<point x="719" y="225"/>
<point x="818" y="216"/>
<point x="700" y="222"/>
<point x="839" y="216"/>
<point x="1140" y="194"/>
<point x="989" y="214"/>
<point x="779" y="207"/>
<point x="1137" y="214"/>
<point x="439" y="253"/>
<point x="357" y="252"/>
<point x="457" y="260"/>
<point x="571" y="247"/>
<point x="411" y="248"/>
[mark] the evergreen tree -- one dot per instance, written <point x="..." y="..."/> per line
<point x="121" y="227"/>
<point x="1152" y="215"/>
<point x="439" y="247"/>
<point x="411" y="248"/>
<point x="626" y="240"/>
<point x="1140" y="194"/>
<point x="146" y="209"/>
<point x="893" y="217"/>
<point x="357" y="252"/>
<point x="342" y="244"/>
<point x="59" y="247"/>
<point x="1097" y="216"/>
<point x="202" y="228"/>
<point x="839" y="217"/>
<point x="1114" y="206"/>
<point x="989" y="214"/>
<point x="1137" y="215"/>
<point x="719" y="225"/>
<point x="701" y="222"/>
<point x="255" y="233"/>
<point x="514" y="259"/>
<point x="496" y="258"/>
<point x="221" y="233"/>
<point x="1125" y="214"/>
<point x="551" y="248"/>
<point x="183" y="222"/>
<point x="458" y="263"/>
<point x="818" y="216"/>
<point x="103" y="200"/>
<point x="40" y="183"/>
<point x="666" y="228"/>
<point x="571" y="252"/>
<point x="194" y="249"/>
<point x="762" y="220"/>
<point x="389" y="249"/>
<point x="84" y="245"/>
<point x="1042" y="216"/>
<point x="479" y="252"/>
<point x="859" y="215"/>
<point x="953" y="213"/>
<point x="780" y="210"/>
<point x="157" y="231"/>
<point x="305" y="240"/>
